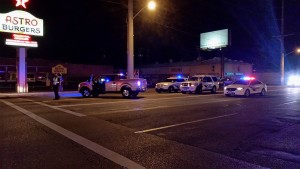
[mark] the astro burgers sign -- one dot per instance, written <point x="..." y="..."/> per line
<point x="21" y="23"/>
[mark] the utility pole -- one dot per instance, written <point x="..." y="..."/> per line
<point x="282" y="45"/>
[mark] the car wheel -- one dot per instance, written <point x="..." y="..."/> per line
<point x="126" y="92"/>
<point x="198" y="90"/>
<point x="171" y="89"/>
<point x="228" y="95"/>
<point x="214" y="90"/>
<point x="183" y="92"/>
<point x="263" y="92"/>
<point x="247" y="93"/>
<point x="85" y="92"/>
<point x="158" y="91"/>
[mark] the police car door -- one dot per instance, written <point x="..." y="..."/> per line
<point x="255" y="86"/>
<point x="207" y="83"/>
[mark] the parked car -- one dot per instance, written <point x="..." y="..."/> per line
<point x="171" y="84"/>
<point x="112" y="83"/>
<point x="245" y="87"/>
<point x="225" y="81"/>
<point x="198" y="83"/>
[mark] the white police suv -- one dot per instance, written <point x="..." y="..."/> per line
<point x="245" y="87"/>
<point x="170" y="85"/>
<point x="198" y="83"/>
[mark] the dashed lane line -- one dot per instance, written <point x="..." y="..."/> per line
<point x="56" y="108"/>
<point x="185" y="123"/>
<point x="102" y="151"/>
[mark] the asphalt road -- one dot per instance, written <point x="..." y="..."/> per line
<point x="167" y="130"/>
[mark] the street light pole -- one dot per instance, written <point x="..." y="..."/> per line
<point x="130" y="39"/>
<point x="282" y="45"/>
<point x="130" y="48"/>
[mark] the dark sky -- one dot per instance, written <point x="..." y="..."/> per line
<point x="95" y="31"/>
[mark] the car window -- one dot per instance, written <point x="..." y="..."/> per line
<point x="207" y="79"/>
<point x="254" y="82"/>
<point x="195" y="78"/>
<point x="108" y="78"/>
<point x="215" y="79"/>
<point x="258" y="82"/>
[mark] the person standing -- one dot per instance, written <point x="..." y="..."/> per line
<point x="56" y="82"/>
<point x="61" y="80"/>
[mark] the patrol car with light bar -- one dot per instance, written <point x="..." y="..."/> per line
<point x="171" y="84"/>
<point x="245" y="87"/>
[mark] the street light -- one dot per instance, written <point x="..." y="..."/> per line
<point x="297" y="51"/>
<point x="130" y="47"/>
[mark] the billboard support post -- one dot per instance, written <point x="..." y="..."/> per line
<point x="22" y="85"/>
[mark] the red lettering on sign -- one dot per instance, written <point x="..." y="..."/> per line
<point x="21" y="21"/>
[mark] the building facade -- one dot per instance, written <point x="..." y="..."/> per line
<point x="40" y="72"/>
<point x="232" y="68"/>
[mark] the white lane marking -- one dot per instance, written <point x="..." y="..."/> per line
<point x="56" y="108"/>
<point x="156" y="107"/>
<point x="102" y="151"/>
<point x="114" y="102"/>
<point x="180" y="124"/>
<point x="291" y="102"/>
<point x="128" y="110"/>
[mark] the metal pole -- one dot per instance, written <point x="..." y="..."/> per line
<point x="22" y="86"/>
<point x="130" y="52"/>
<point x="282" y="45"/>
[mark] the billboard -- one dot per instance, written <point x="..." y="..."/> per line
<point x="214" y="39"/>
<point x="21" y="22"/>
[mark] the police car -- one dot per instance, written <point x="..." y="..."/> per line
<point x="170" y="85"/>
<point x="245" y="87"/>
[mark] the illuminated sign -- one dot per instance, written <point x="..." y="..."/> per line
<point x="21" y="22"/>
<point x="14" y="42"/>
<point x="21" y="37"/>
<point x="214" y="39"/>
<point x="21" y="40"/>
<point x="59" y="69"/>
<point x="21" y="2"/>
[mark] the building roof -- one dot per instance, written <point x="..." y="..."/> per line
<point x="215" y="60"/>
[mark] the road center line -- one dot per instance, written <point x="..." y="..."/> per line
<point x="180" y="124"/>
<point x="113" y="156"/>
<point x="56" y="108"/>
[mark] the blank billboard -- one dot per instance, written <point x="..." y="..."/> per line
<point x="214" y="39"/>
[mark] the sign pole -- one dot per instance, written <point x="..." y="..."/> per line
<point x="21" y="74"/>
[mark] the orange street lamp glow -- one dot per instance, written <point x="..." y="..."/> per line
<point x="151" y="5"/>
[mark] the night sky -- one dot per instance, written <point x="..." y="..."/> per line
<point x="95" y="31"/>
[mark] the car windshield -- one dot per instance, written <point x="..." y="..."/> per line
<point x="242" y="82"/>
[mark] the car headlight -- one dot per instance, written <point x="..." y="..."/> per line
<point x="239" y="88"/>
<point x="225" y="88"/>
